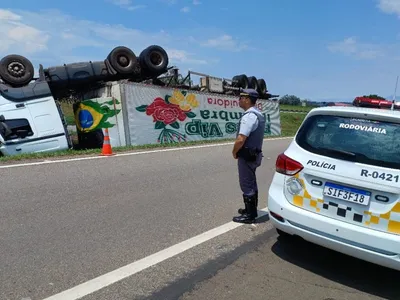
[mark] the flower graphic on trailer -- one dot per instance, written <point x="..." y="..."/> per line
<point x="169" y="112"/>
<point x="186" y="103"/>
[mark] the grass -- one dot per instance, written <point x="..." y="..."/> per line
<point x="70" y="120"/>
<point x="68" y="112"/>
<point x="289" y="125"/>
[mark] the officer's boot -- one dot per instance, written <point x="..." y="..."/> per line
<point x="251" y="211"/>
<point x="243" y="210"/>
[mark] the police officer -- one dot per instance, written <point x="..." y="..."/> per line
<point x="248" y="151"/>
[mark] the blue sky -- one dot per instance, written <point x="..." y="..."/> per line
<point x="318" y="50"/>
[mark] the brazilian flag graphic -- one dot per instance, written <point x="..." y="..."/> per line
<point x="91" y="115"/>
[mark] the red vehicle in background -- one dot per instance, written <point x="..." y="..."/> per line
<point x="374" y="103"/>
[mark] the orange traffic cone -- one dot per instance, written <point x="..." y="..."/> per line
<point x="107" y="151"/>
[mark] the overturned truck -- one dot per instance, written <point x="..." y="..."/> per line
<point x="31" y="118"/>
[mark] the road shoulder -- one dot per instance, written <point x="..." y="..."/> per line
<point x="284" y="268"/>
<point x="172" y="278"/>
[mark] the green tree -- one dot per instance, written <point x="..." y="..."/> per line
<point x="290" y="100"/>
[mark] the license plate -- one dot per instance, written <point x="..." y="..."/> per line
<point x="347" y="193"/>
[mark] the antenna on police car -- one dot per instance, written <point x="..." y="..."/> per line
<point x="394" y="95"/>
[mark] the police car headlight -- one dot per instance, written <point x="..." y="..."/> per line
<point x="294" y="186"/>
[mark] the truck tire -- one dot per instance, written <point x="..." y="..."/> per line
<point x="154" y="59"/>
<point x="123" y="60"/>
<point x="91" y="140"/>
<point x="16" y="70"/>
<point x="88" y="140"/>
<point x="262" y="87"/>
<point x="240" y="81"/>
<point x="253" y="83"/>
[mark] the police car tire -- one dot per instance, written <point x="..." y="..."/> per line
<point x="90" y="140"/>
<point x="16" y="70"/>
<point x="123" y="60"/>
<point x="154" y="59"/>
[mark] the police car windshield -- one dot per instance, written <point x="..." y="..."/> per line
<point x="352" y="139"/>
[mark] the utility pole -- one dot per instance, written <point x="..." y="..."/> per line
<point x="395" y="90"/>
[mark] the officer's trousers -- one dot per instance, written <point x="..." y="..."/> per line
<point x="247" y="175"/>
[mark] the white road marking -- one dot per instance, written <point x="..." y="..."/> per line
<point x="45" y="162"/>
<point x="112" y="277"/>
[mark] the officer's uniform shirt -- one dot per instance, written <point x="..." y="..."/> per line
<point x="249" y="121"/>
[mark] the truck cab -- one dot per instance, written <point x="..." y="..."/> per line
<point x="30" y="120"/>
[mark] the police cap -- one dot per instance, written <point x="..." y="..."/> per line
<point x="252" y="93"/>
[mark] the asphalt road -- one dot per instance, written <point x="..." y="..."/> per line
<point x="286" y="269"/>
<point x="64" y="224"/>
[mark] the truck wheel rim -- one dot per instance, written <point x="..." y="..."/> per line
<point x="16" y="69"/>
<point x="123" y="61"/>
<point x="156" y="58"/>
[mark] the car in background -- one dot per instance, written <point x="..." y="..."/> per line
<point x="338" y="183"/>
<point x="375" y="103"/>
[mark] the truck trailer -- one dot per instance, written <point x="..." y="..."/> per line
<point x="31" y="118"/>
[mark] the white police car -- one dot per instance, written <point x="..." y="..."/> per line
<point x="338" y="183"/>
